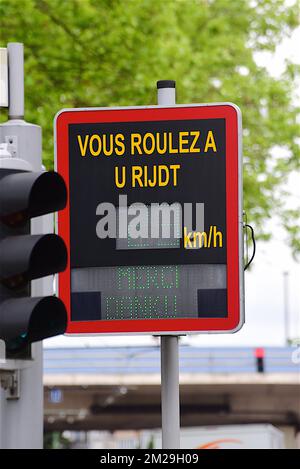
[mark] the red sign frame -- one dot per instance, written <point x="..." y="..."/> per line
<point x="226" y="111"/>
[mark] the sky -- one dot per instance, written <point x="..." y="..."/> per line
<point x="264" y="283"/>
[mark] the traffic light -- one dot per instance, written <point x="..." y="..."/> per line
<point x="260" y="360"/>
<point x="24" y="257"/>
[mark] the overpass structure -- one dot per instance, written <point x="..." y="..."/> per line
<point x="119" y="388"/>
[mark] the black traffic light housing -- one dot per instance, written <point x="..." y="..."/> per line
<point x="24" y="257"/>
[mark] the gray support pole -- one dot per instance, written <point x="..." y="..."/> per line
<point x="16" y="80"/>
<point x="21" y="420"/>
<point x="286" y="307"/>
<point x="170" y="409"/>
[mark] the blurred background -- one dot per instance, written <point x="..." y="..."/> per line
<point x="104" y="392"/>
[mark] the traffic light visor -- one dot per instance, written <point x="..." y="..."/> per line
<point x="25" y="195"/>
<point x="28" y="320"/>
<point x="27" y="257"/>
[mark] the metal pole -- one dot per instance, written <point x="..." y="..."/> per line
<point x="170" y="409"/>
<point x="21" y="420"/>
<point x="16" y="80"/>
<point x="286" y="306"/>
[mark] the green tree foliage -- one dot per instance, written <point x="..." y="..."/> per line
<point x="82" y="53"/>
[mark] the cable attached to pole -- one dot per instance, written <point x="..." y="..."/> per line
<point x="254" y="245"/>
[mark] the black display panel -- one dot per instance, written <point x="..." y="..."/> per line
<point x="200" y="179"/>
<point x="133" y="274"/>
<point x="149" y="292"/>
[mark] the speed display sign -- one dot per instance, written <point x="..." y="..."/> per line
<point x="153" y="223"/>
